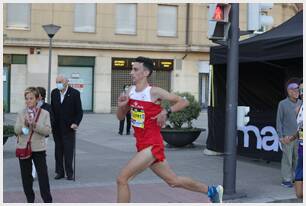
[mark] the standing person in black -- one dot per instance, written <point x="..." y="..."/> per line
<point x="67" y="107"/>
<point x="43" y="105"/>
<point x="128" y="117"/>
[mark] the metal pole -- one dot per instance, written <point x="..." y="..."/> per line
<point x="229" y="164"/>
<point x="49" y="71"/>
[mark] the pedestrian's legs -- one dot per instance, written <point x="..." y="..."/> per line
<point x="42" y="173"/>
<point x="68" y="152"/>
<point x="163" y="170"/>
<point x="121" y="126"/>
<point x="286" y="163"/>
<point x="137" y="164"/>
<point x="27" y="179"/>
<point x="59" y="154"/>
<point x="128" y="123"/>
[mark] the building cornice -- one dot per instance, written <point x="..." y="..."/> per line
<point x="21" y="42"/>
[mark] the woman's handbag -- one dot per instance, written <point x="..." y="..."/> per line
<point x="25" y="153"/>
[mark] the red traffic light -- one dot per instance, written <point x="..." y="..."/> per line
<point x="218" y="21"/>
<point x="219" y="13"/>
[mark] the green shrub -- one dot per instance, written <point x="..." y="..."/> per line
<point x="177" y="119"/>
<point x="8" y="130"/>
<point x="4" y="107"/>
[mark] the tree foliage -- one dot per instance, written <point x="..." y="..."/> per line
<point x="177" y="119"/>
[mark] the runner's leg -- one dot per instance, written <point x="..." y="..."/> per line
<point x="163" y="170"/>
<point x="299" y="189"/>
<point x="136" y="165"/>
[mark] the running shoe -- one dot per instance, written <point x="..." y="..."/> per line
<point x="287" y="184"/>
<point x="215" y="193"/>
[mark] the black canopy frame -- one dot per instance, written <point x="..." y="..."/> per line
<point x="266" y="62"/>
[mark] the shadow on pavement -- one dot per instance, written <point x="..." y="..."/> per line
<point x="293" y="200"/>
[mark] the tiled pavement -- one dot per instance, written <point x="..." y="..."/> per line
<point x="140" y="193"/>
<point x="101" y="153"/>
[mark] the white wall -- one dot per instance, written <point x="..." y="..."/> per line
<point x="18" y="84"/>
<point x="102" y="85"/>
<point x="186" y="79"/>
<point x="38" y="70"/>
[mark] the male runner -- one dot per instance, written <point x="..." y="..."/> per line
<point x="147" y="118"/>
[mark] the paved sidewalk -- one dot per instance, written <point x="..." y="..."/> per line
<point x="148" y="193"/>
<point x="101" y="153"/>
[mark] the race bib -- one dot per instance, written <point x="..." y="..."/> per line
<point x="301" y="134"/>
<point x="137" y="117"/>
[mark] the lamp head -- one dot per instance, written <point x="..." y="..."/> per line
<point x="51" y="29"/>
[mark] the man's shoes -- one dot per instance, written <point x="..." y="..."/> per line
<point x="215" y="193"/>
<point x="59" y="176"/>
<point x="120" y="133"/>
<point x="128" y="133"/>
<point x="69" y="178"/>
<point x="287" y="184"/>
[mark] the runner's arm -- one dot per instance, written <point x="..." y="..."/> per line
<point x="177" y="103"/>
<point x="122" y="111"/>
<point x="123" y="106"/>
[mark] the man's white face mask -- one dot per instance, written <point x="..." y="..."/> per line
<point x="60" y="86"/>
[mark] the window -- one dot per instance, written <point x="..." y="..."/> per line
<point x="85" y="18"/>
<point x="126" y="18"/>
<point x="18" y="16"/>
<point x="167" y="21"/>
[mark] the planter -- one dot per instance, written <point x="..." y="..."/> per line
<point x="180" y="137"/>
<point x="8" y="131"/>
<point x="6" y="136"/>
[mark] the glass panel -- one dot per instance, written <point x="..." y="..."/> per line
<point x="85" y="18"/>
<point x="80" y="78"/>
<point x="19" y="59"/>
<point x="6" y="84"/>
<point x="18" y="15"/>
<point x="76" y="61"/>
<point x="167" y="20"/>
<point x="126" y="18"/>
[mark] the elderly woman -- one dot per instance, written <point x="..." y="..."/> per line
<point x="25" y="125"/>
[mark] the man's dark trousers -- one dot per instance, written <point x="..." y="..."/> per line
<point x="64" y="147"/>
<point x="128" y="124"/>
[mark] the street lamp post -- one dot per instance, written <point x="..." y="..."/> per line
<point x="51" y="30"/>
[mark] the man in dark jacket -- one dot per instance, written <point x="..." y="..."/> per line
<point x="67" y="107"/>
<point x="44" y="105"/>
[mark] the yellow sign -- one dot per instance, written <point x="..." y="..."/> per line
<point x="126" y="63"/>
<point x="119" y="63"/>
<point x="166" y="64"/>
